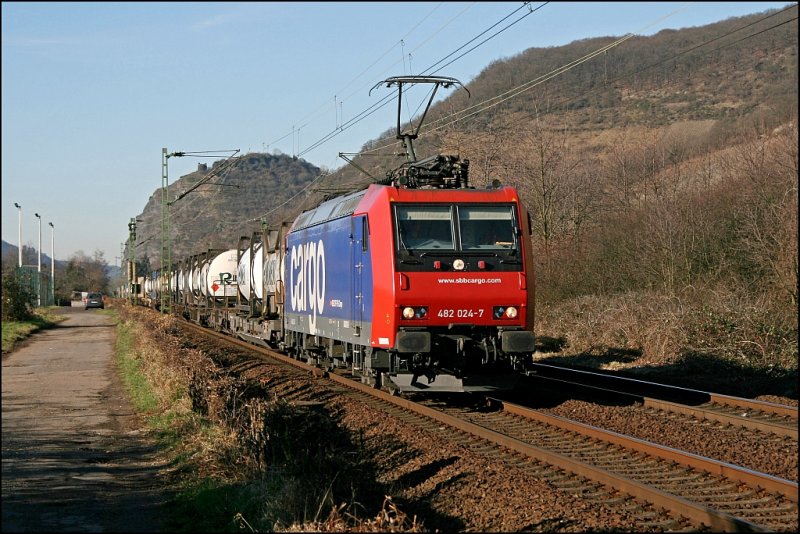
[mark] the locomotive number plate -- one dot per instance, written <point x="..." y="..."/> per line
<point x="461" y="313"/>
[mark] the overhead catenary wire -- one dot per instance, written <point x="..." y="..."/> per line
<point x="489" y="103"/>
<point x="279" y="206"/>
<point x="220" y="172"/>
<point x="225" y="166"/>
<point x="516" y="91"/>
<point x="653" y="65"/>
<point x="482" y="106"/>
<point x="530" y="12"/>
<point x="282" y="204"/>
<point x="384" y="101"/>
<point x="321" y="108"/>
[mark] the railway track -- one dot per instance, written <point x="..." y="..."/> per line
<point x="760" y="500"/>
<point x="665" y="488"/>
<point x="769" y="417"/>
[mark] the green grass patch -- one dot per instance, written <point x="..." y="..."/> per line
<point x="16" y="331"/>
<point x="213" y="506"/>
<point x="141" y="393"/>
<point x="200" y="503"/>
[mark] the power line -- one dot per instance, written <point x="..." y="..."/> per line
<point x="374" y="107"/>
<point x="316" y="112"/>
<point x="530" y="11"/>
<point x="653" y="65"/>
<point x="498" y="99"/>
<point x="225" y="166"/>
<point x="488" y="103"/>
<point x="381" y="103"/>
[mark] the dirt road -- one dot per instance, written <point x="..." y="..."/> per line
<point x="74" y="457"/>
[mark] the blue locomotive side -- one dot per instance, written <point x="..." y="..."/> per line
<point x="328" y="279"/>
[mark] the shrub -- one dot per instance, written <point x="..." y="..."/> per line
<point x="16" y="299"/>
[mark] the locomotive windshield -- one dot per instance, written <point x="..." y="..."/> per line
<point x="456" y="228"/>
<point x="425" y="227"/>
<point x="486" y="227"/>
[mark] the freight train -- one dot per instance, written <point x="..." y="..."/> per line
<point x="418" y="283"/>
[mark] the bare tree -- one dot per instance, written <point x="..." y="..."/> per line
<point x="84" y="273"/>
<point x="555" y="183"/>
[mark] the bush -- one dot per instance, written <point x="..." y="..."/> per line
<point x="16" y="299"/>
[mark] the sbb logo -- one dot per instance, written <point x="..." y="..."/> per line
<point x="307" y="280"/>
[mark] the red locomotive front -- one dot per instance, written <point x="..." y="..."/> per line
<point x="453" y="291"/>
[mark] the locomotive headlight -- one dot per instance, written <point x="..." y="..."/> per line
<point x="505" y="312"/>
<point x="458" y="264"/>
<point x="418" y="312"/>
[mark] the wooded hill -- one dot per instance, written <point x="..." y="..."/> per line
<point x="226" y="205"/>
<point x="662" y="165"/>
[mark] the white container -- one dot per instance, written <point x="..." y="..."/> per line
<point x="257" y="271"/>
<point x="202" y="274"/>
<point x="243" y="274"/>
<point x="150" y="287"/>
<point x="272" y="271"/>
<point x="220" y="275"/>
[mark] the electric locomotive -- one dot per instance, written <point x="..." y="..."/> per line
<point x="420" y="282"/>
<point x="418" y="289"/>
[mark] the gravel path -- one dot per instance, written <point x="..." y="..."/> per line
<point x="73" y="457"/>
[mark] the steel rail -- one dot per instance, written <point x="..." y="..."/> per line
<point x="695" y="411"/>
<point x="705" y="396"/>
<point x="716" y="467"/>
<point x="695" y="512"/>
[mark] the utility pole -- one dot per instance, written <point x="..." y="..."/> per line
<point x="121" y="259"/>
<point x="39" y="274"/>
<point x="19" y="209"/>
<point x="166" y="252"/>
<point x="132" y="259"/>
<point x="52" y="262"/>
<point x="168" y="285"/>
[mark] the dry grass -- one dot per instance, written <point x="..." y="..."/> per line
<point x="389" y="519"/>
<point x="662" y="328"/>
<point x="699" y="335"/>
<point x="199" y="448"/>
<point x="247" y="459"/>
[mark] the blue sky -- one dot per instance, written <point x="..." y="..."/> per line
<point x="91" y="92"/>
